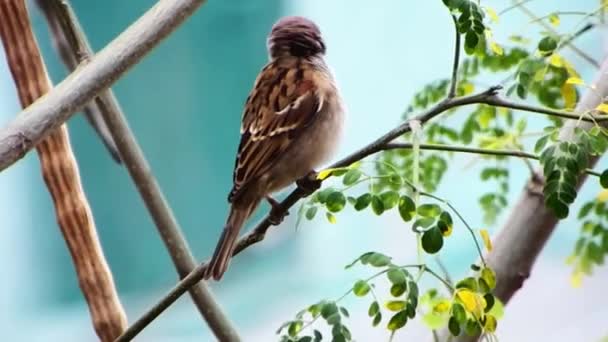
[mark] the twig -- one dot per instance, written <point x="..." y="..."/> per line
<point x="456" y="61"/>
<point x="465" y="149"/>
<point x="38" y="120"/>
<point x="63" y="39"/>
<point x="61" y="176"/>
<point x="77" y="48"/>
<point x="548" y="27"/>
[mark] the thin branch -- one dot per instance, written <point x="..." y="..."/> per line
<point x="456" y="61"/>
<point x="38" y="120"/>
<point x="77" y="48"/>
<point x="474" y="150"/>
<point x="63" y="39"/>
<point x="587" y="117"/>
<point x="522" y="7"/>
<point x="465" y="149"/>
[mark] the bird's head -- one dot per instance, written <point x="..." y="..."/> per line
<point x="295" y="36"/>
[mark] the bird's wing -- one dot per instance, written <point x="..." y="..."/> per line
<point x="284" y="100"/>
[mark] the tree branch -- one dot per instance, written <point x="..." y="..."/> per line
<point x="38" y="120"/>
<point x="75" y="49"/>
<point x="62" y="178"/>
<point x="531" y="223"/>
<point x="259" y="232"/>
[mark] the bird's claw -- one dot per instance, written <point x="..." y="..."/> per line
<point x="277" y="214"/>
<point x="309" y="183"/>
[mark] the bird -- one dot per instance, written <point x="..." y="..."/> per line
<point x="291" y="124"/>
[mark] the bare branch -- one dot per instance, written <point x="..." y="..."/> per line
<point x="62" y="179"/>
<point x="63" y="40"/>
<point x="73" y="45"/>
<point x="39" y="119"/>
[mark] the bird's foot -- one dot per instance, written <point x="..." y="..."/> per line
<point x="309" y="183"/>
<point x="277" y="214"/>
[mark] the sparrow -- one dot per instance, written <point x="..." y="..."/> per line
<point x="291" y="124"/>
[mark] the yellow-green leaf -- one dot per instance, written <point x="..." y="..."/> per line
<point x="603" y="195"/>
<point x="488" y="275"/>
<point x="324" y="174"/>
<point x="472" y="302"/>
<point x="575" y="80"/>
<point x="395" y="305"/>
<point x="568" y="92"/>
<point x="443" y="306"/>
<point x="556" y="60"/>
<point x="497" y="49"/>
<point x="492" y="14"/>
<point x="554" y="19"/>
<point x="602" y="107"/>
<point x="490" y="325"/>
<point x="331" y="218"/>
<point x="485" y="236"/>
<point x="466" y="88"/>
<point x="576" y="280"/>
<point x="447" y="232"/>
<point x="539" y="76"/>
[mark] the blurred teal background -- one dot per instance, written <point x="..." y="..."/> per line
<point x="184" y="104"/>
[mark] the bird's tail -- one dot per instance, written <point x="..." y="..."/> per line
<point x="225" y="247"/>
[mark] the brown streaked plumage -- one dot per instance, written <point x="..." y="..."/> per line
<point x="290" y="125"/>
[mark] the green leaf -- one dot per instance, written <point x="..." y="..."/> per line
<point x="429" y="210"/>
<point x="397" y="321"/>
<point x="361" y="288"/>
<point x="396" y="276"/>
<point x="432" y="240"/>
<point x="351" y="177"/>
<point x="490" y="301"/>
<point x="454" y="326"/>
<point x="604" y="179"/>
<point x="328" y="309"/>
<point x="407" y="208"/>
<point x="344" y="312"/>
<point x="335" y="202"/>
<point x="377" y="205"/>
<point x="459" y="313"/>
<point x="467" y="283"/>
<point x="321" y="196"/>
<point x="375" y="259"/>
<point x="310" y="213"/>
<point x="398" y="289"/>
<point x="547" y="45"/>
<point x="389" y="199"/>
<point x="363" y="201"/>
<point x="374" y="308"/>
<point x="423" y="222"/>
<point x="377" y="319"/>
<point x="318" y="336"/>
<point x="294" y="328"/>
<point x="541" y="143"/>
